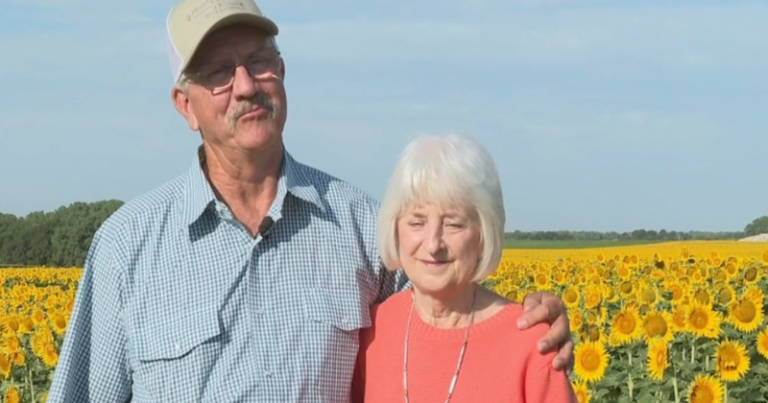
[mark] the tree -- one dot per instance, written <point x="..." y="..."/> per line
<point x="757" y="226"/>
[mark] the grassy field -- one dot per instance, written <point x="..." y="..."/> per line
<point x="532" y="244"/>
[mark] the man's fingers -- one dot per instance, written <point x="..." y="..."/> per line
<point x="564" y="358"/>
<point x="536" y="314"/>
<point x="531" y="301"/>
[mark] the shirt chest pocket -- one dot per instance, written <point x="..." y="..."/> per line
<point x="175" y="354"/>
<point x="332" y="323"/>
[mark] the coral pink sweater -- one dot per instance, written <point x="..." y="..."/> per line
<point x="501" y="363"/>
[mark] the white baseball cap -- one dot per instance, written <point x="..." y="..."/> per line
<point x="190" y="21"/>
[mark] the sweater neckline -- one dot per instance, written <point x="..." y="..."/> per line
<point x="423" y="330"/>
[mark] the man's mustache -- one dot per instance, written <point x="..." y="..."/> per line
<point x="259" y="100"/>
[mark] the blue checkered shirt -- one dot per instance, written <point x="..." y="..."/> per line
<point x="179" y="303"/>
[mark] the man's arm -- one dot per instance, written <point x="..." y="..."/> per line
<point x="391" y="283"/>
<point x="92" y="366"/>
<point x="543" y="307"/>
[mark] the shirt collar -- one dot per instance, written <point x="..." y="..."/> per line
<point x="198" y="194"/>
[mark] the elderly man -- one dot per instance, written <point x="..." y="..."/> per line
<point x="247" y="278"/>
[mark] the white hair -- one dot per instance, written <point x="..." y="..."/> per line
<point x="445" y="170"/>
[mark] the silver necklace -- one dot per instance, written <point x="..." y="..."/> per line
<point x="461" y="355"/>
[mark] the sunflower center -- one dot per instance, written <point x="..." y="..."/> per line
<point x="728" y="359"/>
<point x="541" y="279"/>
<point x="745" y="311"/>
<point x="656" y="326"/>
<point x="750" y="274"/>
<point x="724" y="296"/>
<point x="590" y="360"/>
<point x="677" y="292"/>
<point x="702" y="296"/>
<point x="626" y="287"/>
<point x="570" y="296"/>
<point x="626" y="323"/>
<point x="702" y="394"/>
<point x="593" y="333"/>
<point x="699" y="319"/>
<point x="649" y="296"/>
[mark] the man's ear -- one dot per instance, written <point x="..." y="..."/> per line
<point x="184" y="106"/>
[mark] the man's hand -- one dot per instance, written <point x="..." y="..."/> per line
<point x="542" y="307"/>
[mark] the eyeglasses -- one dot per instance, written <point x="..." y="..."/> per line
<point x="219" y="77"/>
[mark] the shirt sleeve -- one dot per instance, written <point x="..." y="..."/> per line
<point x="392" y="283"/>
<point x="92" y="365"/>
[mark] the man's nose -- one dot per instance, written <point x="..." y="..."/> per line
<point x="244" y="85"/>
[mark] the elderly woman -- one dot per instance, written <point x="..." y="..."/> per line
<point x="447" y="338"/>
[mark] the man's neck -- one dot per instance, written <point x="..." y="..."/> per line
<point x="247" y="184"/>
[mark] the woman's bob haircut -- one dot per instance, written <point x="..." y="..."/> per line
<point x="450" y="170"/>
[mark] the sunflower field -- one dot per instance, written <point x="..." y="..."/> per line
<point x="673" y="322"/>
<point x="35" y="304"/>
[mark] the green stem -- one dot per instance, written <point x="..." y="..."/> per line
<point x="31" y="384"/>
<point x="725" y="392"/>
<point x="629" y="374"/>
<point x="693" y="351"/>
<point x="674" y="385"/>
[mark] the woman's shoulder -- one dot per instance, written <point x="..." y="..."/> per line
<point x="394" y="306"/>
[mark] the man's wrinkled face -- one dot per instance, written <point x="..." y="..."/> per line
<point x="236" y="96"/>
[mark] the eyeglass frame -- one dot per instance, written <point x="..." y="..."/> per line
<point x="196" y="77"/>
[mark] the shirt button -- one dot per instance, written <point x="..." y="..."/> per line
<point x="177" y="346"/>
<point x="345" y="320"/>
<point x="259" y="311"/>
<point x="268" y="374"/>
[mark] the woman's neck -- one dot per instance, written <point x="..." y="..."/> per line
<point x="446" y="311"/>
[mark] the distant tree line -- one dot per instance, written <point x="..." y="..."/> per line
<point x="62" y="238"/>
<point x="639" y="234"/>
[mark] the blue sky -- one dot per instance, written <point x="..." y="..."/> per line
<point x="601" y="115"/>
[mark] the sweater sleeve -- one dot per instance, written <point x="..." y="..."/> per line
<point x="359" y="374"/>
<point x="545" y="384"/>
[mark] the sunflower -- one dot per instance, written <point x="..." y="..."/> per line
<point x="658" y="358"/>
<point x="678" y="292"/>
<point x="590" y="361"/>
<point x="575" y="320"/>
<point x="12" y="395"/>
<point x="625" y="326"/>
<point x="705" y="389"/>
<point x="680" y="319"/>
<point x="746" y="312"/>
<point x="731" y="360"/>
<point x="571" y="297"/>
<point x="725" y="295"/>
<point x="5" y="366"/>
<point x="59" y="323"/>
<point x="658" y="324"/>
<point x="751" y="275"/>
<point x="648" y="294"/>
<point x="592" y="333"/>
<point x="702" y="296"/>
<point x="762" y="343"/>
<point x="581" y="390"/>
<point x="49" y="355"/>
<point x="703" y="321"/>
<point x="592" y="297"/>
